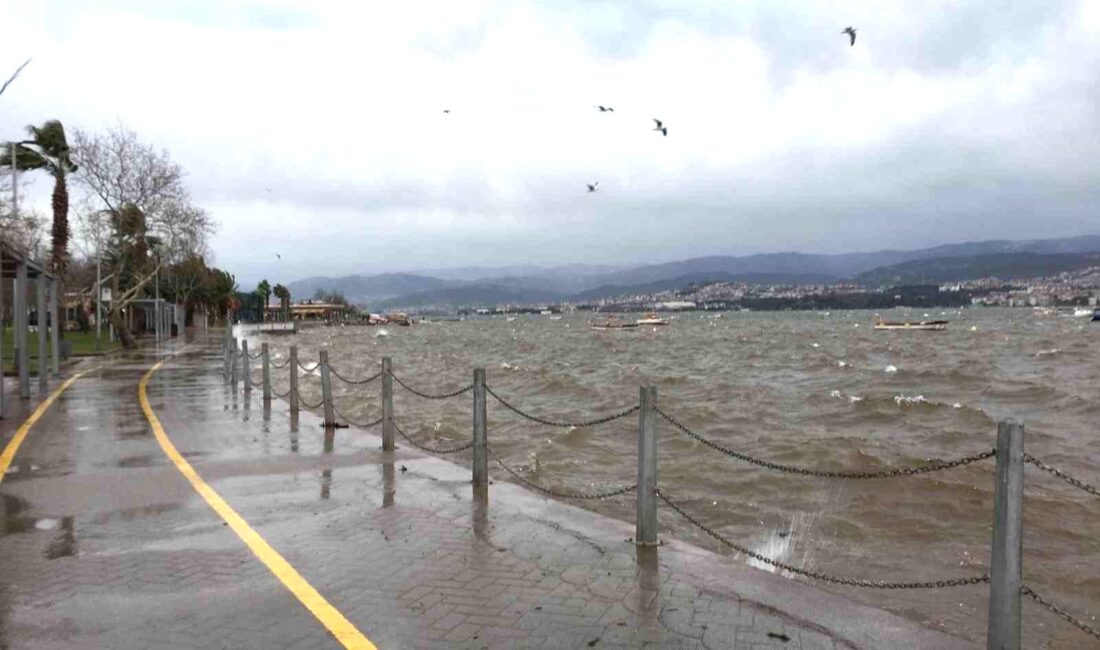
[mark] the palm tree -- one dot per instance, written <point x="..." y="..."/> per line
<point x="283" y="294"/>
<point x="50" y="152"/>
<point x="264" y="291"/>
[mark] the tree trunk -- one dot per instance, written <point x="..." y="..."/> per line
<point x="121" y="329"/>
<point x="60" y="244"/>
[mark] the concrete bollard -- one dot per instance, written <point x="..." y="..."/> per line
<point x="233" y="364"/>
<point x="481" y="455"/>
<point x="293" y="365"/>
<point x="246" y="367"/>
<point x="645" y="533"/>
<point x="267" y="371"/>
<point x="326" y="391"/>
<point x="22" y="321"/>
<point x="55" y="334"/>
<point x="1006" y="558"/>
<point x="387" y="404"/>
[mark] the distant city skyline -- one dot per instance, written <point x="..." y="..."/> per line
<point x="317" y="130"/>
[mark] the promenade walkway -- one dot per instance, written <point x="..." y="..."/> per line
<point x="264" y="531"/>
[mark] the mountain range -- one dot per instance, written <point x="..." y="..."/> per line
<point x="485" y="286"/>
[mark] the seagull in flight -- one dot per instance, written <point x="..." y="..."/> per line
<point x="661" y="127"/>
<point x="592" y="186"/>
<point x="851" y="32"/>
<point x="278" y="255"/>
<point x="606" y="109"/>
<point x="268" y="189"/>
<point x="446" y="110"/>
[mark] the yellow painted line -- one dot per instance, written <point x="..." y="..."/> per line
<point x="13" y="445"/>
<point x="340" y="627"/>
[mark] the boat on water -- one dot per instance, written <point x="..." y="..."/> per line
<point x="652" y="319"/>
<point x="922" y="326"/>
<point x="1096" y="315"/>
<point x="1084" y="312"/>
<point x="613" y="324"/>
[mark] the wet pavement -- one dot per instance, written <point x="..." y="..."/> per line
<point x="104" y="543"/>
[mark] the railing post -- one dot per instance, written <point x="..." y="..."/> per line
<point x="645" y="533"/>
<point x="1006" y="559"/>
<point x="43" y="317"/>
<point x="326" y="390"/>
<point x="22" y="327"/>
<point x="267" y="371"/>
<point x="55" y="333"/>
<point x="293" y="365"/>
<point x="233" y="364"/>
<point x="225" y="358"/>
<point x="246" y="367"/>
<point x="387" y="404"/>
<point x="481" y="455"/>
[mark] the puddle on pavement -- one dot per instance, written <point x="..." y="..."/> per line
<point x="14" y="520"/>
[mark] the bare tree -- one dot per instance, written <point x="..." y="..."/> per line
<point x="133" y="182"/>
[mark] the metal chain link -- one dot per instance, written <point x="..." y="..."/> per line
<point x="412" y="390"/>
<point x="315" y="366"/>
<point x="889" y="473"/>
<point x="816" y="575"/>
<point x="255" y="356"/>
<point x="1079" y="484"/>
<point x="280" y="395"/>
<point x="308" y="405"/>
<point x="432" y="450"/>
<point x="280" y="367"/>
<point x="558" y="493"/>
<point x="354" y="382"/>
<point x="1026" y="590"/>
<point x="362" y="425"/>
<point x="564" y="425"/>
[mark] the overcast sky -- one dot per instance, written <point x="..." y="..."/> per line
<point x="947" y="121"/>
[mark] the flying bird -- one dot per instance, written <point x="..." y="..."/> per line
<point x="606" y="109"/>
<point x="851" y="32"/>
<point x="278" y="255"/>
<point x="592" y="186"/>
<point x="660" y="127"/>
<point x="446" y="110"/>
<point x="268" y="189"/>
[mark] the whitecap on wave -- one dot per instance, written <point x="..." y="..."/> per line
<point x="1047" y="353"/>
<point x="907" y="400"/>
<point x="891" y="368"/>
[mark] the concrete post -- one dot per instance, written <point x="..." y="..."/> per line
<point x="1" y="344"/>
<point x="645" y="533"/>
<point x="43" y="318"/>
<point x="233" y="363"/>
<point x="293" y="365"/>
<point x="19" y="300"/>
<point x="267" y="371"/>
<point x="246" y="367"/>
<point x="1006" y="559"/>
<point x="326" y="390"/>
<point x="481" y="455"/>
<point x="387" y="404"/>
<point x="55" y="335"/>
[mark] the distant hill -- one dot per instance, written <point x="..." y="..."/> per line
<point x="680" y="282"/>
<point x="478" y="295"/>
<point x="366" y="288"/>
<point x="529" y="283"/>
<point x="938" y="270"/>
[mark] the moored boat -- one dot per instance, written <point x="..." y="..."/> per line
<point x="1096" y="315"/>
<point x="1083" y="312"/>
<point x="923" y="326"/>
<point x="612" y="323"/>
<point x="652" y="319"/>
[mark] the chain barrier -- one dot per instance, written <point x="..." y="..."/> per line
<point x="816" y="575"/>
<point x="1084" y="627"/>
<point x="354" y="382"/>
<point x="1079" y="484"/>
<point x="310" y="406"/>
<point x="315" y="366"/>
<point x="280" y="367"/>
<point x="280" y="395"/>
<point x="255" y="356"/>
<point x="564" y="425"/>
<point x="362" y="425"/>
<point x="889" y="473"/>
<point x="558" y="493"/>
<point x="432" y="450"/>
<point x="412" y="390"/>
